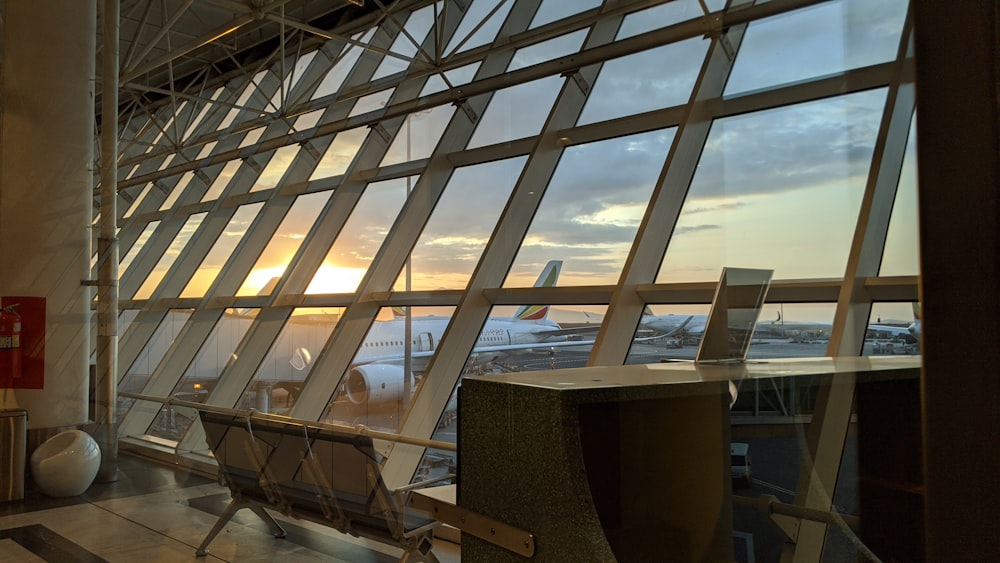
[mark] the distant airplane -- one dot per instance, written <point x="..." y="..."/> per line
<point x="671" y="325"/>
<point x="694" y="325"/>
<point x="909" y="333"/>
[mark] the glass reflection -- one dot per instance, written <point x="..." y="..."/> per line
<point x="278" y="381"/>
<point x="172" y="422"/>
<point x="137" y="375"/>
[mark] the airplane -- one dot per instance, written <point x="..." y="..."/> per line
<point x="670" y="325"/>
<point x="909" y="333"/>
<point x="694" y="325"/>
<point x="377" y="374"/>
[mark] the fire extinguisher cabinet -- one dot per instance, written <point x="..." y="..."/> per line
<point x="13" y="434"/>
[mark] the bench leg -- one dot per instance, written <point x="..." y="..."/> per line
<point x="276" y="529"/>
<point x="419" y="553"/>
<point x="417" y="557"/>
<point x="234" y="506"/>
<point x="219" y="524"/>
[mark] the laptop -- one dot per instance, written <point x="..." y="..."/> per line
<point x="735" y="310"/>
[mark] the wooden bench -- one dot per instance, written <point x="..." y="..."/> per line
<point x="311" y="472"/>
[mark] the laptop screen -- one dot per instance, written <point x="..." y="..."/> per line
<point x="733" y="317"/>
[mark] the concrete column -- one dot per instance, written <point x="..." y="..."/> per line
<point x="46" y="154"/>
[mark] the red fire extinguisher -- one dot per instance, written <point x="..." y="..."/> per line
<point x="10" y="343"/>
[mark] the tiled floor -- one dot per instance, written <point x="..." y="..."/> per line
<point x="158" y="513"/>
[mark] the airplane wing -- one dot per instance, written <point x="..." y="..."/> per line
<point x="568" y="331"/>
<point x="897" y="331"/>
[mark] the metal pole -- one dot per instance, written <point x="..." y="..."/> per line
<point x="106" y="385"/>
<point x="252" y="414"/>
<point x="408" y="320"/>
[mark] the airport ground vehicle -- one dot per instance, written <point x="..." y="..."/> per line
<point x="740" y="462"/>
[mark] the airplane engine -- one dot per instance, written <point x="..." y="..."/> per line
<point x="375" y="384"/>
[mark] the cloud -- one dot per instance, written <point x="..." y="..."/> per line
<point x="694" y="228"/>
<point x="789" y="148"/>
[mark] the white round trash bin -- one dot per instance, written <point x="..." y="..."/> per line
<point x="65" y="465"/>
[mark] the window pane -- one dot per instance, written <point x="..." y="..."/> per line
<point x="654" y="79"/>
<point x="205" y="108"/>
<point x="126" y="260"/>
<point x="592" y="209"/>
<point x="340" y="154"/>
<point x="137" y="201"/>
<point x="170" y="256"/>
<point x="504" y="329"/>
<point x="335" y="78"/>
<point x="388" y="368"/>
<point x="252" y="137"/>
<point x="177" y="190"/>
<point x="467" y="36"/>
<point x="371" y="102"/>
<point x="535" y="338"/>
<point x="417" y="26"/>
<point x="456" y="234"/>
<point x="221" y="251"/>
<point x="201" y="376"/>
<point x="284" y="244"/>
<point x="663" y="15"/>
<point x="516" y="112"/>
<point x="137" y="375"/>
<point x="552" y="10"/>
<point x="275" y="168"/>
<point x="668" y="332"/>
<point x="777" y="189"/>
<point x="548" y="50"/>
<point x="825" y="39"/>
<point x="292" y="79"/>
<point x="419" y="135"/>
<point x="902" y="243"/>
<point x="363" y="233"/>
<point x="245" y="100"/>
<point x="456" y="77"/>
<point x="222" y="180"/>
<point x="893" y="328"/>
<point x="278" y="381"/>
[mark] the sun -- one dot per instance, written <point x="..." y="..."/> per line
<point x="335" y="279"/>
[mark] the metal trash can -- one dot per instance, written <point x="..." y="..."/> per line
<point x="13" y="436"/>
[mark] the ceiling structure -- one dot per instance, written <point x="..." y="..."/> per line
<point x="177" y="48"/>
